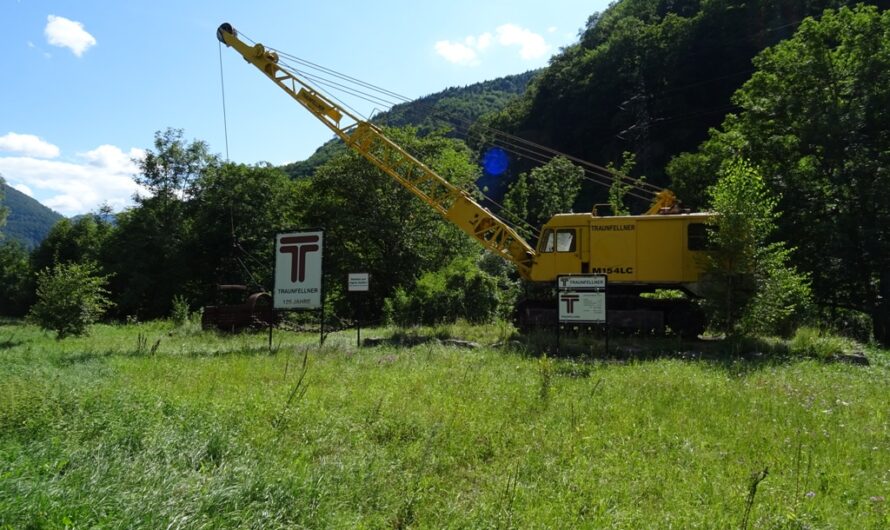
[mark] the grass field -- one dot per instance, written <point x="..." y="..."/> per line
<point x="118" y="430"/>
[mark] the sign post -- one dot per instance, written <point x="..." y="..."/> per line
<point x="298" y="272"/>
<point x="358" y="282"/>
<point x="581" y="300"/>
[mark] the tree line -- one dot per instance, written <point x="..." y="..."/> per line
<point x="205" y="222"/>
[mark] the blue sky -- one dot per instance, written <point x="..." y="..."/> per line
<point x="87" y="83"/>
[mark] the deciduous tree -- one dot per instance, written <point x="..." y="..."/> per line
<point x="4" y="211"/>
<point x="815" y="121"/>
<point x="379" y="227"/>
<point x="544" y="191"/>
<point x="16" y="284"/>
<point x="750" y="285"/>
<point x="235" y="211"/>
<point x="149" y="253"/>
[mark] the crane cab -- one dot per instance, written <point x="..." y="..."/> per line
<point x="660" y="250"/>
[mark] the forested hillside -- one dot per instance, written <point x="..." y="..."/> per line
<point x="815" y="120"/>
<point x="456" y="108"/>
<point x="28" y="221"/>
<point x="649" y="77"/>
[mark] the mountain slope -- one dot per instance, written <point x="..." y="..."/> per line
<point x="28" y="221"/>
<point x="456" y="108"/>
<point x="650" y="77"/>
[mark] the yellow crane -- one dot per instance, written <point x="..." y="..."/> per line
<point x="638" y="253"/>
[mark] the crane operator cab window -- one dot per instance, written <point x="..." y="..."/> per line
<point x="558" y="241"/>
<point x="697" y="237"/>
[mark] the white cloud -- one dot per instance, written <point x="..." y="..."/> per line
<point x="69" y="34"/>
<point x="481" y="42"/>
<point x="467" y="52"/>
<point x="109" y="156"/>
<point x="67" y="205"/>
<point x="103" y="175"/>
<point x="24" y="189"/>
<point x="531" y="45"/>
<point x="28" y="145"/>
<point x="456" y="52"/>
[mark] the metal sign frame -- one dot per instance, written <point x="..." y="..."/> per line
<point x="584" y="286"/>
<point x="300" y="245"/>
<point x="582" y="283"/>
<point x="357" y="285"/>
<point x="304" y="249"/>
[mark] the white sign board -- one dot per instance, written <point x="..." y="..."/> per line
<point x="298" y="270"/>
<point x="588" y="282"/>
<point x="358" y="282"/>
<point x="582" y="307"/>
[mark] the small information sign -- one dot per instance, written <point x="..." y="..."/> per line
<point x="580" y="307"/>
<point x="582" y="298"/>
<point x="358" y="282"/>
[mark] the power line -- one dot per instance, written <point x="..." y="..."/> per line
<point x="510" y="143"/>
<point x="373" y="99"/>
<point x="291" y="71"/>
<point x="515" y="144"/>
<point x="222" y="85"/>
<point x="340" y="75"/>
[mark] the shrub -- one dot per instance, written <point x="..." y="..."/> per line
<point x="849" y="323"/>
<point x="783" y="300"/>
<point x="751" y="286"/>
<point x="461" y="290"/>
<point x="180" y="312"/>
<point x="70" y="297"/>
<point x="664" y="294"/>
<point x="811" y="342"/>
<point x="508" y="285"/>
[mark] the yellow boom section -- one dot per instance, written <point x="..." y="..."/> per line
<point x="451" y="202"/>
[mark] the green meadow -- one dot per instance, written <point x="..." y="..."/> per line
<point x="152" y="426"/>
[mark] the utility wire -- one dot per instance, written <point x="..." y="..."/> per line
<point x="593" y="173"/>
<point x="222" y="85"/>
<point x="287" y="68"/>
<point x="370" y="98"/>
<point x="520" y="146"/>
<point x="341" y="75"/>
<point x="513" y="144"/>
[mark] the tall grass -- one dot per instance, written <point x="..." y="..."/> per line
<point x="215" y="431"/>
<point x="812" y="342"/>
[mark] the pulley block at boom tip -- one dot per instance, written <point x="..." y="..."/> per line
<point x="227" y="28"/>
